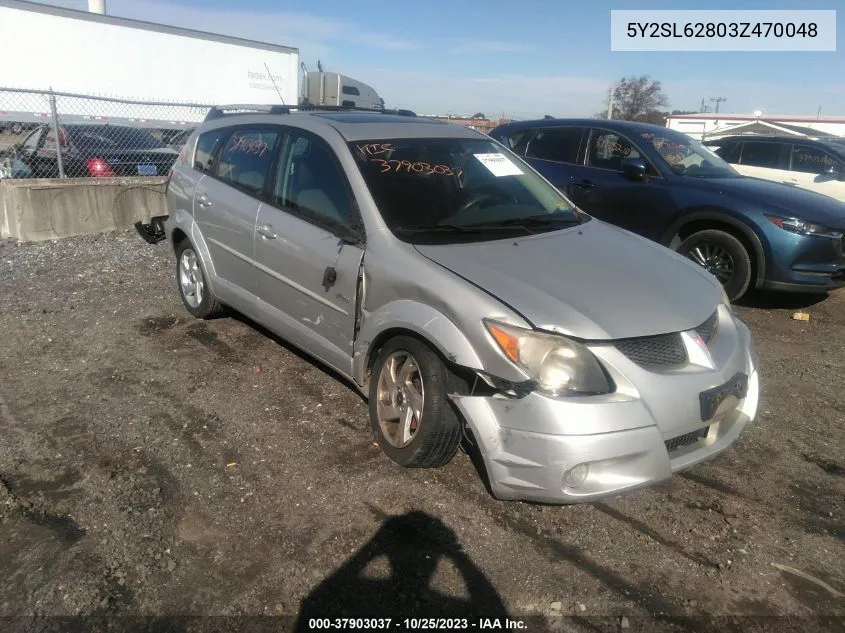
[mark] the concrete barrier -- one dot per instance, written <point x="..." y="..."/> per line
<point x="45" y="209"/>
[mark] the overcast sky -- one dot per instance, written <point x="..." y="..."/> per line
<point x="523" y="59"/>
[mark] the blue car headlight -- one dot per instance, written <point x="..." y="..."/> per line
<point x="802" y="227"/>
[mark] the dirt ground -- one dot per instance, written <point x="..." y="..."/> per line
<point x="155" y="465"/>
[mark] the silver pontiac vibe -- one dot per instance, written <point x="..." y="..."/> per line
<point x="464" y="296"/>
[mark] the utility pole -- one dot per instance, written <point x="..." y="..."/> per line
<point x="610" y="101"/>
<point x="717" y="101"/>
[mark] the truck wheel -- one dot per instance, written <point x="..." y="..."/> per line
<point x="410" y="413"/>
<point x="723" y="256"/>
<point x="193" y="287"/>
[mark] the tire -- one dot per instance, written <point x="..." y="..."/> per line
<point x="17" y="129"/>
<point x="427" y="440"/>
<point x="722" y="255"/>
<point x="193" y="285"/>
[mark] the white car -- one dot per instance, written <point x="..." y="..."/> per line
<point x="814" y="164"/>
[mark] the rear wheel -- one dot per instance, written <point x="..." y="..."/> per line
<point x="723" y="256"/>
<point x="193" y="288"/>
<point x="412" y="419"/>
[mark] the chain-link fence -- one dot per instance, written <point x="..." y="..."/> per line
<point x="97" y="136"/>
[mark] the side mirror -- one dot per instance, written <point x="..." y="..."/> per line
<point x="834" y="172"/>
<point x="634" y="168"/>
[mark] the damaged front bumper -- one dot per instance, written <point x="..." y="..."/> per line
<point x="573" y="450"/>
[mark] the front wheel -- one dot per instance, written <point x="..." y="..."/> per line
<point x="723" y="256"/>
<point x="410" y="413"/>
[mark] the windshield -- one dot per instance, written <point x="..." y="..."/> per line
<point x="686" y="156"/>
<point x="446" y="190"/>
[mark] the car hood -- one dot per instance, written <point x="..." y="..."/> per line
<point x="776" y="197"/>
<point x="592" y="282"/>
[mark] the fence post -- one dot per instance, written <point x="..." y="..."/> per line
<point x="55" y="117"/>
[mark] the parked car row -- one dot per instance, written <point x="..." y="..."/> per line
<point x="94" y="151"/>
<point x="464" y="295"/>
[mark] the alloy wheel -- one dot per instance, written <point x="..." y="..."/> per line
<point x="400" y="398"/>
<point x="190" y="278"/>
<point x="714" y="259"/>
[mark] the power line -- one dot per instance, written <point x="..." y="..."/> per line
<point x="717" y="101"/>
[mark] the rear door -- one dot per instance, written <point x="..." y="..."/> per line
<point x="601" y="189"/>
<point x="768" y="160"/>
<point x="309" y="249"/>
<point x="554" y="152"/>
<point x="236" y="162"/>
<point x="808" y="170"/>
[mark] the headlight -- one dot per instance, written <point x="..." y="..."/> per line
<point x="558" y="365"/>
<point x="802" y="227"/>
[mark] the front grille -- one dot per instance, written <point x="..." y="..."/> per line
<point x="685" y="440"/>
<point x="707" y="329"/>
<point x="663" y="349"/>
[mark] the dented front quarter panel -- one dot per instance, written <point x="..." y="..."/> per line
<point x="406" y="291"/>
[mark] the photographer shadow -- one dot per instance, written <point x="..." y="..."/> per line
<point x="412" y="545"/>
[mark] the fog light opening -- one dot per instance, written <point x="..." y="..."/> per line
<point x="576" y="476"/>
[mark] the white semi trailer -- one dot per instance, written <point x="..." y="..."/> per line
<point x="90" y="53"/>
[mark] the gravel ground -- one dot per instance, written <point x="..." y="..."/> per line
<point x="156" y="465"/>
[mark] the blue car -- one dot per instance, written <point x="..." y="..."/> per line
<point x="667" y="187"/>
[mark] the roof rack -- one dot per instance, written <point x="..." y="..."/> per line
<point x="220" y="111"/>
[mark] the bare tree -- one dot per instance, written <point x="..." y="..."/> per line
<point x="637" y="99"/>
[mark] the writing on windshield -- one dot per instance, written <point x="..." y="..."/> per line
<point x="409" y="167"/>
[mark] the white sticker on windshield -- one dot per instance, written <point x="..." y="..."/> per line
<point x="498" y="164"/>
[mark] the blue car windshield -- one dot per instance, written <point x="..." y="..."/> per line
<point x="459" y="189"/>
<point x="686" y="156"/>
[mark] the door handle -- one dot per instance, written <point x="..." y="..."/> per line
<point x="266" y="231"/>
<point x="204" y="200"/>
<point x="584" y="184"/>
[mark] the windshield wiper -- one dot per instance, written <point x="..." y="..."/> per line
<point x="450" y="228"/>
<point x="530" y="221"/>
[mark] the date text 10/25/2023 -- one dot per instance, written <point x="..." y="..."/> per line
<point x="417" y="624"/>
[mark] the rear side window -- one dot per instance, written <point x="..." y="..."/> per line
<point x="559" y="144"/>
<point x="516" y="141"/>
<point x="246" y="157"/>
<point x="762" y="154"/>
<point x="207" y="145"/>
<point x="811" y="160"/>
<point x="728" y="151"/>
<point x="608" y="149"/>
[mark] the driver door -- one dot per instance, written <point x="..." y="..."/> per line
<point x="601" y="189"/>
<point x="309" y="250"/>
